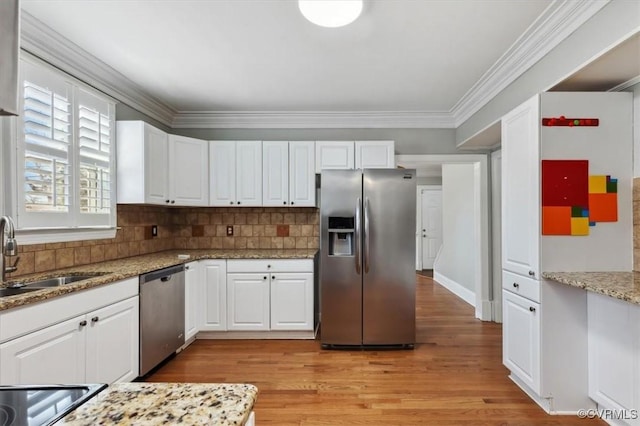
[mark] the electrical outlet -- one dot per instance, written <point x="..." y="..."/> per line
<point x="229" y="230"/>
<point x="154" y="230"/>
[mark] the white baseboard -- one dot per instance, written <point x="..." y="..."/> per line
<point x="267" y="335"/>
<point x="455" y="288"/>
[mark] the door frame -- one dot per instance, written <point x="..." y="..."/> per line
<point x="482" y="184"/>
<point x="419" y="189"/>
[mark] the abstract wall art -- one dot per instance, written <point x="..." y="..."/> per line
<point x="572" y="200"/>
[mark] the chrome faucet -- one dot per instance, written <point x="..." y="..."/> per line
<point x="10" y="248"/>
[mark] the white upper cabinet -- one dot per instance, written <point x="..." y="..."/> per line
<point x="288" y="176"/>
<point x="236" y="173"/>
<point x="354" y="155"/>
<point x="375" y="155"/>
<point x="520" y="189"/>
<point x="334" y="155"/>
<point x="156" y="168"/>
<point x="188" y="171"/>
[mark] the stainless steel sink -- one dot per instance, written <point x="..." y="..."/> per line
<point x="58" y="281"/>
<point x="15" y="291"/>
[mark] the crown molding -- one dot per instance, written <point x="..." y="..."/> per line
<point x="311" y="120"/>
<point x="555" y="24"/>
<point x="48" y="45"/>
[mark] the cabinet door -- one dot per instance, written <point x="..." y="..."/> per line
<point x="248" y="301"/>
<point x="188" y="171"/>
<point x="291" y="301"/>
<point x="302" y="177"/>
<point x="521" y="190"/>
<point x="334" y="155"/>
<point x="55" y="354"/>
<point x="191" y="299"/>
<point x="275" y="173"/>
<point x="222" y="173"/>
<point x="521" y="338"/>
<point x="375" y="155"/>
<point x="156" y="165"/>
<point x="112" y="343"/>
<point x="214" y="298"/>
<point x="612" y="342"/>
<point x="249" y="173"/>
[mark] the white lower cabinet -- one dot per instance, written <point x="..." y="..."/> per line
<point x="100" y="346"/>
<point x="248" y="301"/>
<point x="521" y="338"/>
<point x="291" y="301"/>
<point x="86" y="337"/>
<point x="614" y="356"/>
<point x="213" y="301"/>
<point x="270" y="294"/>
<point x="191" y="299"/>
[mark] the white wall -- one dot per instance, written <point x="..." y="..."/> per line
<point x="458" y="256"/>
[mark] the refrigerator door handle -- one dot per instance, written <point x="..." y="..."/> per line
<point x="358" y="215"/>
<point x="365" y="236"/>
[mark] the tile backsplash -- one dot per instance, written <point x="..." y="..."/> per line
<point x="180" y="228"/>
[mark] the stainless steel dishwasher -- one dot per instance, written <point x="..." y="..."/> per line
<point x="161" y="315"/>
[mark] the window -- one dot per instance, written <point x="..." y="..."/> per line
<point x="64" y="156"/>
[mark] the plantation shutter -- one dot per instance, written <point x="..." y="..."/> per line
<point x="45" y="160"/>
<point x="95" y="168"/>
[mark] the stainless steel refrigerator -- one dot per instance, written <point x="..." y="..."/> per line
<point x="367" y="264"/>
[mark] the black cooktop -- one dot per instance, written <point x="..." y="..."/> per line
<point x="41" y="405"/>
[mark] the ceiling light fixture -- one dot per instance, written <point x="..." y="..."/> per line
<point x="330" y="13"/>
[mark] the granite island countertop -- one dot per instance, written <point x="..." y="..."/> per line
<point x="620" y="285"/>
<point x="167" y="403"/>
<point x="115" y="270"/>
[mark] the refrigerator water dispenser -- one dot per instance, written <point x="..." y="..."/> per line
<point x="341" y="238"/>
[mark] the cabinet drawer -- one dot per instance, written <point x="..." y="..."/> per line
<point x="525" y="287"/>
<point x="269" y="265"/>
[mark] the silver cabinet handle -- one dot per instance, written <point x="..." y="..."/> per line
<point x="358" y="217"/>
<point x="366" y="237"/>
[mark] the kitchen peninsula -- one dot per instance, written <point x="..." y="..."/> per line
<point x="168" y="403"/>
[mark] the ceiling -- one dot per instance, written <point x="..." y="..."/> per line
<point x="259" y="55"/>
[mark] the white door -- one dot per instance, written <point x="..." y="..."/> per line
<point x="112" y="343"/>
<point x="188" y="171"/>
<point x="214" y="299"/>
<point x="291" y="301"/>
<point x="52" y="355"/>
<point x="431" y="222"/>
<point x="302" y="178"/>
<point x="521" y="189"/>
<point x="156" y="164"/>
<point x="248" y="301"/>
<point x="275" y="173"/>
<point x="191" y="300"/>
<point x="249" y="173"/>
<point x="521" y="338"/>
<point x="222" y="173"/>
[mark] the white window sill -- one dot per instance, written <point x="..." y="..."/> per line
<point x="42" y="236"/>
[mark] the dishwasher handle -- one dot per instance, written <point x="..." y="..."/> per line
<point x="161" y="274"/>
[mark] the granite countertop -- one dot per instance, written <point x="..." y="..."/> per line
<point x="167" y="403"/>
<point x="116" y="270"/>
<point x="621" y="285"/>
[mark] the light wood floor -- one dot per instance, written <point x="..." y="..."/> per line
<point x="454" y="376"/>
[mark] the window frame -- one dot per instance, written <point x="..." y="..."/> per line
<point x="72" y="225"/>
